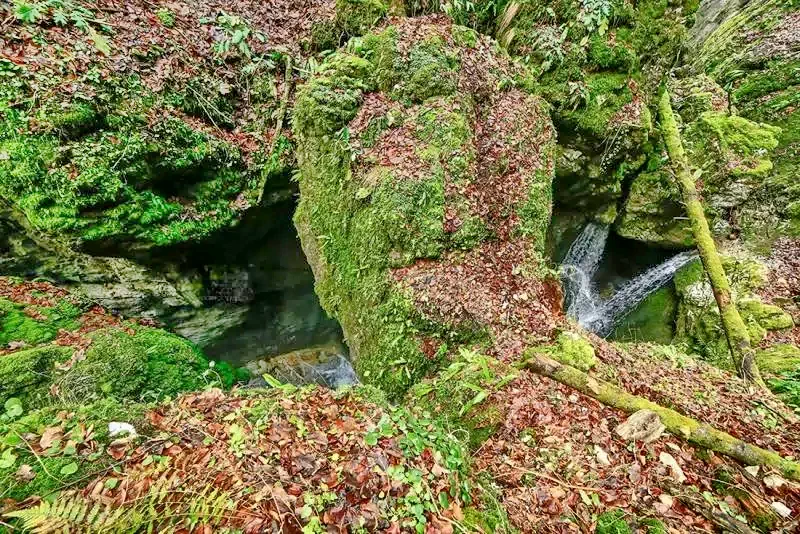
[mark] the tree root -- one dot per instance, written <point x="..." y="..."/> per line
<point x="700" y="434"/>
<point x="287" y="87"/>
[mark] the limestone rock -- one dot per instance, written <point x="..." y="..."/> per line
<point x="395" y="217"/>
<point x="644" y="425"/>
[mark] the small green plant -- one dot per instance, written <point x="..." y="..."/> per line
<point x="595" y="15"/>
<point x="237" y="35"/>
<point x="63" y="13"/>
<point x="166" y="17"/>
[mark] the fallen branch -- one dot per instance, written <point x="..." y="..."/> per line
<point x="700" y="434"/>
<point x="742" y="352"/>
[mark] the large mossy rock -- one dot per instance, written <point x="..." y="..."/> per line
<point x="698" y="321"/>
<point x="56" y="348"/>
<point x="425" y="175"/>
<point x="752" y="48"/>
<point x="731" y="158"/>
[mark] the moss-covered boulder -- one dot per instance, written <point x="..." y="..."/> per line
<point x="420" y="159"/>
<point x="698" y="320"/>
<point x="779" y="359"/>
<point x="731" y="157"/>
<point x="57" y="348"/>
<point x="653" y="212"/>
<point x="132" y="362"/>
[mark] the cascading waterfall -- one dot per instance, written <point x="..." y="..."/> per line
<point x="579" y="267"/>
<point x="581" y="298"/>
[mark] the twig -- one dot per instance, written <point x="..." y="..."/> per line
<point x="551" y="479"/>
<point x="38" y="458"/>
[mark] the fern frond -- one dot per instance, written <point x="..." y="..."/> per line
<point x="504" y="36"/>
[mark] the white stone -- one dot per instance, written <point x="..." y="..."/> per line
<point x="118" y="429"/>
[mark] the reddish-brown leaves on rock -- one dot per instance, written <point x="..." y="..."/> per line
<point x="487" y="286"/>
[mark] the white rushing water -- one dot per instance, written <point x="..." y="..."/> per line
<point x="581" y="298"/>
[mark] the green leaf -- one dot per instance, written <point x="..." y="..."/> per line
<point x="371" y="439"/>
<point x="69" y="469"/>
<point x="28" y="12"/>
<point x="100" y="42"/>
<point x="272" y="381"/>
<point x="444" y="500"/>
<point x="8" y="459"/>
<point x="111" y="483"/>
<point x="13" y="407"/>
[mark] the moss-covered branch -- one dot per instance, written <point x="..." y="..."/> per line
<point x="693" y="431"/>
<point x="738" y="339"/>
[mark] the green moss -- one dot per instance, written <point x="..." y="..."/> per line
<point x="431" y="70"/>
<point x="70" y="120"/>
<point x="108" y="175"/>
<point x="148" y="363"/>
<point x="613" y="522"/>
<point x="699" y="320"/>
<point x="606" y="94"/>
<point x="166" y="17"/>
<point x="18" y="326"/>
<point x="133" y="363"/>
<point x="465" y="37"/>
<point x="610" y="55"/>
<point x="652" y="321"/>
<point x="488" y="515"/>
<point x="778" y="359"/>
<point x="356" y="17"/>
<point x="571" y="349"/>
<point x="768" y="316"/>
<point x="26" y="374"/>
<point x="74" y="420"/>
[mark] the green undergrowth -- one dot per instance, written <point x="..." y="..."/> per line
<point x="76" y="454"/>
<point x="620" y="522"/>
<point x="351" y="19"/>
<point x="134" y="362"/>
<point x="462" y="392"/>
<point x="780" y="364"/>
<point x="122" y="169"/>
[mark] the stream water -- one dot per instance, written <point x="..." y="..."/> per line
<point x="582" y="299"/>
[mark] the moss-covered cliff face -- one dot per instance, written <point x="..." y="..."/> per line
<point x="422" y="167"/>
<point x="753" y="53"/>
